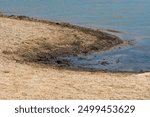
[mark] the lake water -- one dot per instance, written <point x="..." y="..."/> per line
<point x="131" y="17"/>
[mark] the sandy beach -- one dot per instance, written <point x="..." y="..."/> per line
<point x="32" y="64"/>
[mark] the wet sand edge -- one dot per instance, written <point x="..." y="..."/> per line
<point x="104" y="42"/>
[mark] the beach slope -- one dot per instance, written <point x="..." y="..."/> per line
<point x="31" y="64"/>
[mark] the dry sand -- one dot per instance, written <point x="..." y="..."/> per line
<point x="31" y="66"/>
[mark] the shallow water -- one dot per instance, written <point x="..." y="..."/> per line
<point x="130" y="17"/>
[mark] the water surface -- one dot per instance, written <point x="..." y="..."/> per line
<point x="131" y="17"/>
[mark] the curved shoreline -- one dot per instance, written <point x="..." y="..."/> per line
<point x="29" y="49"/>
<point x="70" y="40"/>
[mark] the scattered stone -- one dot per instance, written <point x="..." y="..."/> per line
<point x="104" y="63"/>
<point x="59" y="62"/>
<point x="7" y="52"/>
<point x="6" y="71"/>
<point x="62" y="62"/>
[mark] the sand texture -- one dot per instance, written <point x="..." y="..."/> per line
<point x="31" y="64"/>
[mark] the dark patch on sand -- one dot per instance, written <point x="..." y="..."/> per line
<point x="49" y="54"/>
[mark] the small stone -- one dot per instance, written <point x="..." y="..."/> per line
<point x="104" y="63"/>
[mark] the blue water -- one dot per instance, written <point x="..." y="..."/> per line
<point x="131" y="17"/>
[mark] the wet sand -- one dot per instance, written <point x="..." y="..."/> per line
<point x="32" y="64"/>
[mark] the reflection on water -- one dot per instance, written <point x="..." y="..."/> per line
<point x="128" y="16"/>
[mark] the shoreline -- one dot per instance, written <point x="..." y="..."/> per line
<point x="30" y="50"/>
<point x="83" y="41"/>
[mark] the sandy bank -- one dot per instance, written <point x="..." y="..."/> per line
<point x="31" y="57"/>
<point x="39" y="41"/>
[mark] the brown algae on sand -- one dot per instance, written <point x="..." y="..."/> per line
<point x="42" y="41"/>
<point x="26" y="40"/>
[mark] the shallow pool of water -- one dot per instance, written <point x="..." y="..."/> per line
<point x="130" y="17"/>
